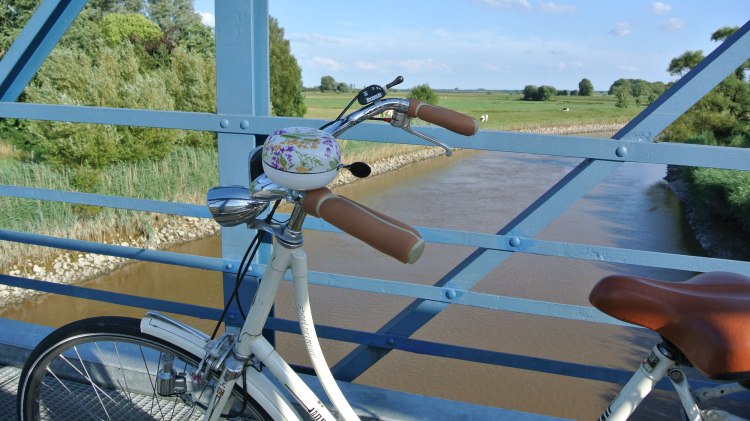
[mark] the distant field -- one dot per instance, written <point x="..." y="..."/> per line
<point x="505" y="111"/>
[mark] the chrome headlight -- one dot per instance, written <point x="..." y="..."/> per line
<point x="232" y="205"/>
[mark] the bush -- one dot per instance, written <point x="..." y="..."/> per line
<point x="529" y="92"/>
<point x="120" y="83"/>
<point x="541" y="93"/>
<point x="724" y="193"/>
<point x="424" y="93"/>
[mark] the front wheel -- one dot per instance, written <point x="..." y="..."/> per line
<point x="104" y="368"/>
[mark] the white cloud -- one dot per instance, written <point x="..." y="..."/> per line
<point x="418" y="65"/>
<point x="621" y="29"/>
<point x="366" y="65"/>
<point x="564" y="65"/>
<point x="629" y="68"/>
<point x="558" y="8"/>
<point x="327" y="63"/>
<point x="660" y="8"/>
<point x="674" y="24"/>
<point x="507" y="4"/>
<point x="316" y="39"/>
<point x="208" y="19"/>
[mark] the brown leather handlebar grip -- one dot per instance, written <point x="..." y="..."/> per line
<point x="382" y="232"/>
<point x="443" y="117"/>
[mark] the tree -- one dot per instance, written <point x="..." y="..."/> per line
<point x="722" y="113"/>
<point x="624" y="83"/>
<point x="682" y="64"/>
<point x="327" y="84"/>
<point x="130" y="27"/>
<point x="622" y="93"/>
<point x="342" y="87"/>
<point x="722" y="34"/>
<point x="585" y="87"/>
<point x="180" y="24"/>
<point x="546" y="93"/>
<point x="529" y="92"/>
<point x="286" y="75"/>
<point x="541" y="93"/>
<point x="424" y="93"/>
<point x="13" y="17"/>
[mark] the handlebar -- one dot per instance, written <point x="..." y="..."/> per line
<point x="443" y="117"/>
<point x="380" y="231"/>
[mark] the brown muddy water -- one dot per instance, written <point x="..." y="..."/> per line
<point x="475" y="191"/>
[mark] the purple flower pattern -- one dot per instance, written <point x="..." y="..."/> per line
<point x="301" y="150"/>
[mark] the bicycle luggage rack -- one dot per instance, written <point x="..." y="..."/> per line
<point x="243" y="119"/>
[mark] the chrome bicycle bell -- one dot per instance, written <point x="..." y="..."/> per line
<point x="301" y="158"/>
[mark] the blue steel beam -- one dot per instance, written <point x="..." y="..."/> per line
<point x="421" y="347"/>
<point x="623" y="150"/>
<point x="119" y="202"/>
<point x="156" y="256"/>
<point x="243" y="88"/>
<point x="645" y="127"/>
<point x="40" y="35"/>
<point x="444" y="295"/>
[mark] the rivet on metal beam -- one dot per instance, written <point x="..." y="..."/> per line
<point x="621" y="151"/>
<point x="244" y="124"/>
<point x="224" y="123"/>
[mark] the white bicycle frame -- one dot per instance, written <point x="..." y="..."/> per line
<point x="658" y="365"/>
<point x="250" y="342"/>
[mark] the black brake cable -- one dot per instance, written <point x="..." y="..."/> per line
<point x="252" y="249"/>
<point x="341" y="114"/>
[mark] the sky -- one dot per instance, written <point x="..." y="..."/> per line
<point x="496" y="44"/>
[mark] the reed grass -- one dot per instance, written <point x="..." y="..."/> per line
<point x="184" y="176"/>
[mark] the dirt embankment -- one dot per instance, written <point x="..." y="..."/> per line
<point x="718" y="236"/>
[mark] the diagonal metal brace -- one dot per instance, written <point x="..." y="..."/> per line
<point x="644" y="127"/>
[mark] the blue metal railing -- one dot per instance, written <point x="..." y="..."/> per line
<point x="242" y="119"/>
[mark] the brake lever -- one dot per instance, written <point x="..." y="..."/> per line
<point x="402" y="121"/>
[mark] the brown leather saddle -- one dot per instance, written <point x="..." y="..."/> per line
<point x="707" y="317"/>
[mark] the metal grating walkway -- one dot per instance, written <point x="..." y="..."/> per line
<point x="60" y="408"/>
<point x="8" y="385"/>
<point x="17" y="339"/>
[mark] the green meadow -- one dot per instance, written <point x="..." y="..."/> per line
<point x="506" y="111"/>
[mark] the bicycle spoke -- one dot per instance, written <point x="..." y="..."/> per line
<point x="106" y="369"/>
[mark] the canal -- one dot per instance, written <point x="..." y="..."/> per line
<point x="476" y="191"/>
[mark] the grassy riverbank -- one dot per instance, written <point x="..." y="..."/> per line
<point x="184" y="176"/>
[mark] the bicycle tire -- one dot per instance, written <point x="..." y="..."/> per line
<point x="105" y="368"/>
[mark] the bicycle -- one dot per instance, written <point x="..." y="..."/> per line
<point x="160" y="368"/>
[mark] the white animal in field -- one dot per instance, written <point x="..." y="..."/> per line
<point x="484" y="118"/>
